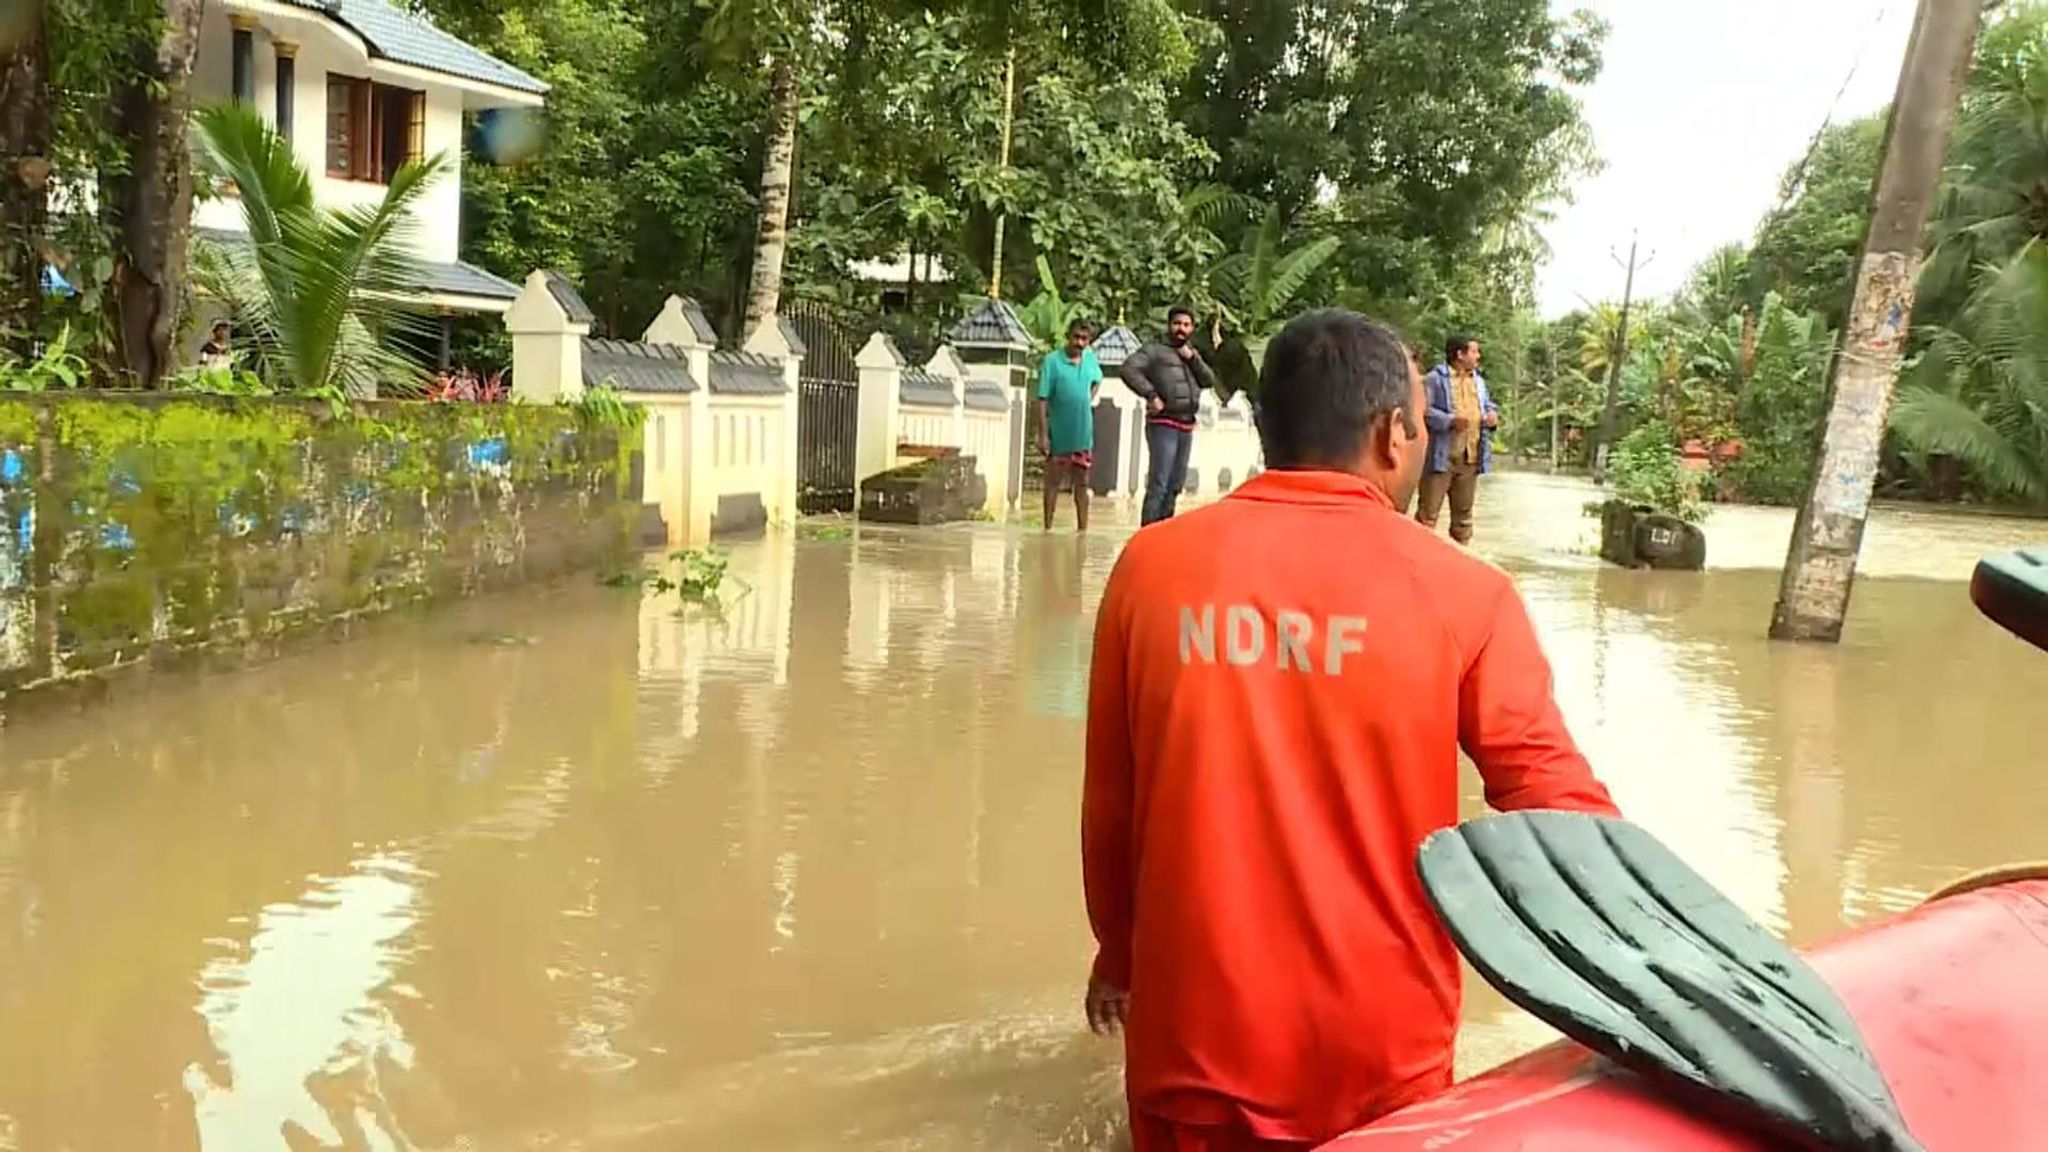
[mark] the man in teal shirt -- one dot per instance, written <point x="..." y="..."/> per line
<point x="1066" y="420"/>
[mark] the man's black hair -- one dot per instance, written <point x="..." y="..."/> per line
<point x="1080" y="324"/>
<point x="1179" y="310"/>
<point x="1330" y="375"/>
<point x="1457" y="345"/>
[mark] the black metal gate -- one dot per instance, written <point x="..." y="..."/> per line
<point x="828" y="412"/>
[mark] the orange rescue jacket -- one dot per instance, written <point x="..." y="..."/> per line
<point x="1280" y="686"/>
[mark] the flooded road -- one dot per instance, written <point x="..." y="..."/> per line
<point x="571" y="870"/>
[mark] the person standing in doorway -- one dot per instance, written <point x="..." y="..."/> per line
<point x="1461" y="420"/>
<point x="1067" y="384"/>
<point x="1169" y="378"/>
<point x="1279" y="688"/>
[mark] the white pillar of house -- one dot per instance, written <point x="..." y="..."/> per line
<point x="547" y="347"/>
<point x="881" y="401"/>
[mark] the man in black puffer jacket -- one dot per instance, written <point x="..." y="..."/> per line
<point x="1169" y="377"/>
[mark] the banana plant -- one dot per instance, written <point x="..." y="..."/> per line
<point x="1256" y="288"/>
<point x="1047" y="315"/>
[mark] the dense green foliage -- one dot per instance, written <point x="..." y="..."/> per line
<point x="1647" y="472"/>
<point x="1246" y="158"/>
<point x="1741" y="356"/>
<point x="1159" y="155"/>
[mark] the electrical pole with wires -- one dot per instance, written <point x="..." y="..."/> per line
<point x="1820" y="565"/>
<point x="1609" y="413"/>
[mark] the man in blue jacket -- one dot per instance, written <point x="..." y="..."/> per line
<point x="1461" y="419"/>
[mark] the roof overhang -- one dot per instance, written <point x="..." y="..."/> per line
<point x="493" y="95"/>
<point x="274" y="12"/>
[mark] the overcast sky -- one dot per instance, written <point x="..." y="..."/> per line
<point x="1701" y="107"/>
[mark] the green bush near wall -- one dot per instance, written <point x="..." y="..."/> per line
<point x="132" y="527"/>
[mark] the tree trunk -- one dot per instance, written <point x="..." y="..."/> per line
<point x="764" y="288"/>
<point x="24" y="173"/>
<point x="153" y="199"/>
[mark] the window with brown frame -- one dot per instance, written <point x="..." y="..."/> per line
<point x="373" y="129"/>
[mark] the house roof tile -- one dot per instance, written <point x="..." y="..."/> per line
<point x="454" y="279"/>
<point x="403" y="38"/>
<point x="993" y="323"/>
<point x="1115" y="346"/>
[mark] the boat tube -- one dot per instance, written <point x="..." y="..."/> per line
<point x="1949" y="999"/>
<point x="1691" y="1031"/>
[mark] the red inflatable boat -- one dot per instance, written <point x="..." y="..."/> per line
<point x="1951" y="1002"/>
<point x="1951" y="999"/>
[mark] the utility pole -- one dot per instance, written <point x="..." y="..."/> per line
<point x="1820" y="566"/>
<point x="1551" y="389"/>
<point x="1609" y="413"/>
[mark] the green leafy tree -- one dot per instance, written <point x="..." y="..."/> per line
<point x="1779" y="411"/>
<point x="321" y="289"/>
<point x="1806" y="251"/>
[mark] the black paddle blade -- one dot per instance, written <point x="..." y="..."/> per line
<point x="2012" y="590"/>
<point x="1601" y="932"/>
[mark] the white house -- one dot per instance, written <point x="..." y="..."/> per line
<point x="360" y="87"/>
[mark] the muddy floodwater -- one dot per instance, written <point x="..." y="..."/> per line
<point x="571" y="870"/>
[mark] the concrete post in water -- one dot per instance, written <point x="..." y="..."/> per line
<point x="547" y="346"/>
<point x="881" y="399"/>
<point x="779" y="342"/>
<point x="1820" y="566"/>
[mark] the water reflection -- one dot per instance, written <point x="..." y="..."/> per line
<point x="299" y="1009"/>
<point x="598" y="871"/>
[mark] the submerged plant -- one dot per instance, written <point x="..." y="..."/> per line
<point x="703" y="572"/>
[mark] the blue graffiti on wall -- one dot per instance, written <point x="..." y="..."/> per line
<point x="491" y="455"/>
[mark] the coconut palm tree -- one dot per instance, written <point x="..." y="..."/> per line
<point x="321" y="289"/>
<point x="1979" y="392"/>
<point x="1995" y="199"/>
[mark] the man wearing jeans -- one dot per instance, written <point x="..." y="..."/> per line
<point x="1461" y="419"/>
<point x="1169" y="377"/>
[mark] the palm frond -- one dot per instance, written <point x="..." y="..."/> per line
<point x="1945" y="424"/>
<point x="325" y="291"/>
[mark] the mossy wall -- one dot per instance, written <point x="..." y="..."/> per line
<point x="133" y="528"/>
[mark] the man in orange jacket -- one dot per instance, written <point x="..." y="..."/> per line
<point x="1280" y="686"/>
